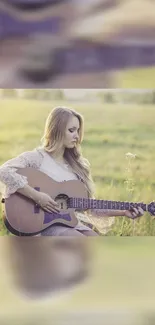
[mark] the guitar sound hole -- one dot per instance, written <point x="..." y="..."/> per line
<point x="62" y="200"/>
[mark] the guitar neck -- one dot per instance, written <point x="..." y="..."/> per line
<point x="83" y="204"/>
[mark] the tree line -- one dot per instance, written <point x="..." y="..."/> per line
<point x="121" y="96"/>
<point x="105" y="95"/>
<point x="38" y="94"/>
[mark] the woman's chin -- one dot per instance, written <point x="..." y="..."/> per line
<point x="72" y="145"/>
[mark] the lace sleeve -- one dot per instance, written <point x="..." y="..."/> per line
<point x="102" y="223"/>
<point x="10" y="179"/>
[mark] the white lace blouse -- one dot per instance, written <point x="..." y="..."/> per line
<point x="38" y="158"/>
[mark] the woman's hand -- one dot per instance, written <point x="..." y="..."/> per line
<point x="134" y="213"/>
<point x="46" y="202"/>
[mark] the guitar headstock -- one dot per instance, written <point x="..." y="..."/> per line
<point x="151" y="208"/>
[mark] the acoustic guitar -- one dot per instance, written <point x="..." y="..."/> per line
<point x="23" y="217"/>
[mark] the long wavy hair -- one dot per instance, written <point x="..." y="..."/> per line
<point x="52" y="141"/>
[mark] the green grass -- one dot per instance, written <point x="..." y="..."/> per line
<point x="111" y="131"/>
<point x="136" y="78"/>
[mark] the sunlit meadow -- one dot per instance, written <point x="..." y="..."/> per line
<point x="111" y="132"/>
<point x="119" y="143"/>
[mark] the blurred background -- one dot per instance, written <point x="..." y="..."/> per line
<point x="71" y="43"/>
<point x="118" y="142"/>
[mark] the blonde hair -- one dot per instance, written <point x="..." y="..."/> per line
<point x="52" y="141"/>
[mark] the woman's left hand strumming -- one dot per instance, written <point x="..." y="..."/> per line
<point x="134" y="213"/>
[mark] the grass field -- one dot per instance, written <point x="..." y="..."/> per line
<point x="142" y="78"/>
<point x="111" y="131"/>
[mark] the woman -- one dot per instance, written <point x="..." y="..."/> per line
<point x="60" y="158"/>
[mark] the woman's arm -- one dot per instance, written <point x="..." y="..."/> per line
<point x="12" y="180"/>
<point x="133" y="213"/>
<point x="29" y="192"/>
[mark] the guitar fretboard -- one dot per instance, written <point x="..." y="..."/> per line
<point x="82" y="203"/>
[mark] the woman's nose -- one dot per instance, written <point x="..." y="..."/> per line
<point x="76" y="136"/>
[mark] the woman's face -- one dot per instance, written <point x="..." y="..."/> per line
<point x="72" y="132"/>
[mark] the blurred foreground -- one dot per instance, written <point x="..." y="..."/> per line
<point x="118" y="286"/>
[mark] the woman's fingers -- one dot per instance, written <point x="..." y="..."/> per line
<point x="137" y="212"/>
<point x="141" y="211"/>
<point x="54" y="206"/>
<point x="133" y="213"/>
<point x="51" y="209"/>
<point x="53" y="202"/>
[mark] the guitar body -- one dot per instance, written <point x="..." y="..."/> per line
<point x="23" y="217"/>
